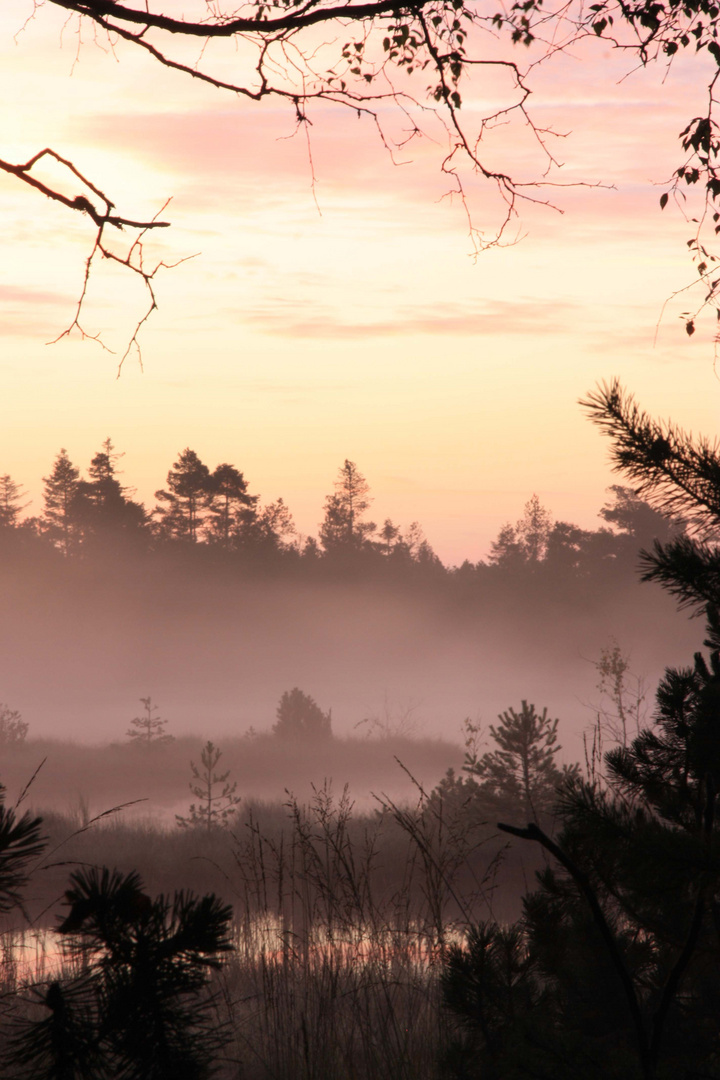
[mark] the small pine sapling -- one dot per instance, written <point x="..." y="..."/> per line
<point x="148" y="729"/>
<point x="135" y="1004"/>
<point x="218" y="801"/>
<point x="520" y="777"/>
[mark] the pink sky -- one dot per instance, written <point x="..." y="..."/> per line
<point x="299" y="338"/>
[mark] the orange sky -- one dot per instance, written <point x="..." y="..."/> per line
<point x="299" y="338"/>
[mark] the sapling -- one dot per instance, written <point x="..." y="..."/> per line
<point x="218" y="801"/>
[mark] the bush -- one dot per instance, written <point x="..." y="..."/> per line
<point x="300" y="717"/>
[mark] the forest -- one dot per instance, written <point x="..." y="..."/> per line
<point x="211" y="603"/>
<point x="211" y="517"/>
<point x="527" y="914"/>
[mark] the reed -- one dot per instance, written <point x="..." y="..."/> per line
<point x="342" y="919"/>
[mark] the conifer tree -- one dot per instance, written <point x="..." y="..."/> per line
<point x="104" y="506"/>
<point x="342" y="528"/>
<point x="136" y="1006"/>
<point x="274" y="526"/>
<point x="181" y="512"/>
<point x="11" y="504"/>
<point x="300" y="717"/>
<point x="533" y="530"/>
<point x="148" y="729"/>
<point x="526" y="542"/>
<point x="60" y="518"/>
<point x="217" y="802"/>
<point x="614" y="971"/>
<point x="231" y="511"/>
<point x="521" y="776"/>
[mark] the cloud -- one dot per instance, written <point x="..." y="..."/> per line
<point x="24" y="312"/>
<point x="21" y="295"/>
<point x="495" y="318"/>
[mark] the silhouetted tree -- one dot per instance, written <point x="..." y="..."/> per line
<point x="300" y="717"/>
<point x="11" y="502"/>
<point x="525" y="542"/>
<point x="272" y="530"/>
<point x="276" y="522"/>
<point x="149" y="729"/>
<point x="139" y="1009"/>
<point x="615" y="969"/>
<point x="506" y="551"/>
<point x="634" y="517"/>
<point x="231" y="510"/>
<point x="369" y="47"/>
<point x="103" y="505"/>
<point x="566" y="549"/>
<point x="342" y="528"/>
<point x="533" y="530"/>
<point x="59" y="520"/>
<point x="521" y="776"/>
<point x="21" y="843"/>
<point x="181" y="513"/>
<point x="217" y="799"/>
<point x="389" y="537"/>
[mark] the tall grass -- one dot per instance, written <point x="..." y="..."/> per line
<point x="342" y="920"/>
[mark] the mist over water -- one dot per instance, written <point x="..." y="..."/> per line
<point x="79" y="647"/>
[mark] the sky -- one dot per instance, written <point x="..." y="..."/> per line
<point x="345" y="318"/>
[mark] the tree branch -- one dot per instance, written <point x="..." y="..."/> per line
<point x="533" y="832"/>
<point x="294" y="20"/>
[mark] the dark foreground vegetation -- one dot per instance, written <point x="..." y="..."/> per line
<point x="390" y="944"/>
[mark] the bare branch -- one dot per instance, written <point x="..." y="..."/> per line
<point x="79" y="202"/>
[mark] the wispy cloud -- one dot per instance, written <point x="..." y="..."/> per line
<point x="18" y="295"/>
<point x="493" y="318"/>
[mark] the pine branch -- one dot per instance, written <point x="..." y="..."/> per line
<point x="676" y="473"/>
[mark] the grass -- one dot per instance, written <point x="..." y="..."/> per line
<point x="79" y="778"/>
<point x="342" y="919"/>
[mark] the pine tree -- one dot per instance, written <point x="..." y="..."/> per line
<point x="533" y="530"/>
<point x="218" y="802"/>
<point x="104" y="507"/>
<point x="149" y="729"/>
<point x="60" y="518"/>
<point x="526" y="542"/>
<point x="275" y="528"/>
<point x="342" y="528"/>
<point x="506" y="551"/>
<point x="231" y="511"/>
<point x="521" y="776"/>
<point x="137" y="1006"/>
<point x="614" y="971"/>
<point x="11" y="504"/>
<point x="181" y="514"/>
<point x="635" y="518"/>
<point x="300" y="717"/>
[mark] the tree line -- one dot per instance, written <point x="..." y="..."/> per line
<point x="214" y="511"/>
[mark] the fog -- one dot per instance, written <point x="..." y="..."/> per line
<point x="81" y="644"/>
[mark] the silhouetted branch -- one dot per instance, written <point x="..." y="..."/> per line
<point x="79" y="202"/>
<point x="102" y="216"/>
<point x="533" y="832"/>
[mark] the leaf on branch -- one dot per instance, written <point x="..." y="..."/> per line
<point x="663" y="200"/>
